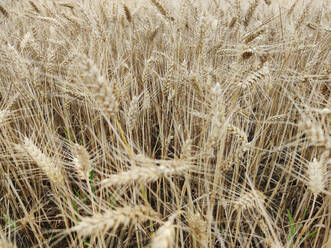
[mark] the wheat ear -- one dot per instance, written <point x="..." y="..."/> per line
<point x="217" y="117"/>
<point x="6" y="244"/>
<point x="255" y="77"/>
<point x="112" y="219"/>
<point x="82" y="162"/>
<point x="250" y="12"/>
<point x="147" y="173"/>
<point x="133" y="113"/>
<point x="317" y="176"/>
<point x="250" y="200"/>
<point x="3" y="11"/>
<point x="127" y="13"/>
<point x="199" y="228"/>
<point x="46" y="164"/>
<point x="101" y="89"/>
<point x="165" y="235"/>
<point x="4" y="115"/>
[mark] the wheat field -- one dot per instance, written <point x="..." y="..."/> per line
<point x="159" y="124"/>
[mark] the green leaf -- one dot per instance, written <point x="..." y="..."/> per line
<point x="292" y="225"/>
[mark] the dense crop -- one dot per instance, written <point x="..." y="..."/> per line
<point x="158" y="124"/>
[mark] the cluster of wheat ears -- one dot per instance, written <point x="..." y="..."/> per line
<point x="156" y="124"/>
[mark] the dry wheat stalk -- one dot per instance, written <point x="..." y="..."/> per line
<point x="165" y="235"/>
<point x="82" y="162"/>
<point x="45" y="163"/>
<point x="99" y="223"/>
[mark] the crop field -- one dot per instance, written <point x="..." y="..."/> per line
<point x="163" y="124"/>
